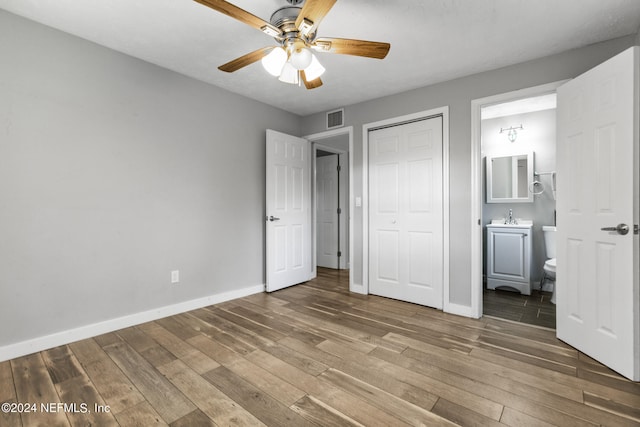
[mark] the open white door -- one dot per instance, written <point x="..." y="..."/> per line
<point x="288" y="210"/>
<point x="597" y="260"/>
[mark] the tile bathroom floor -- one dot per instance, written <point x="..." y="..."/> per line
<point x="535" y="309"/>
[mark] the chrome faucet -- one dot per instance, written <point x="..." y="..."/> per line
<point x="511" y="219"/>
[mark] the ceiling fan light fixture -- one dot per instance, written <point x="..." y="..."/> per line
<point x="289" y="74"/>
<point x="301" y="58"/>
<point x="314" y="70"/>
<point x="274" y="61"/>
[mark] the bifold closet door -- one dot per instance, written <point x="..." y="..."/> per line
<point x="405" y="212"/>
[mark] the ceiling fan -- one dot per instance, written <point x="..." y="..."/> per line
<point x="294" y="29"/>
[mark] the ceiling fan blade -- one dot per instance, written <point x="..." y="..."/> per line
<point x="366" y="48"/>
<point x="245" y="60"/>
<point x="310" y="84"/>
<point x="314" y="11"/>
<point x="241" y="15"/>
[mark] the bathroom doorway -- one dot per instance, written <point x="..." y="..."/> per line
<point x="516" y="126"/>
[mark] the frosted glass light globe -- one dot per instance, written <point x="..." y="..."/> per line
<point x="274" y="61"/>
<point x="289" y="74"/>
<point x="300" y="58"/>
<point x="314" y="70"/>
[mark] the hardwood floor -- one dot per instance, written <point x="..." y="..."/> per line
<point x="314" y="354"/>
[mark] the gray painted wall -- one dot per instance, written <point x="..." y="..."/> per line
<point x="113" y="172"/>
<point x="539" y="136"/>
<point x="458" y="94"/>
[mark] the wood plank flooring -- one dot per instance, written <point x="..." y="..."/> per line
<point x="316" y="355"/>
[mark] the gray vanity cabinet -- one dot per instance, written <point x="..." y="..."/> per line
<point x="509" y="257"/>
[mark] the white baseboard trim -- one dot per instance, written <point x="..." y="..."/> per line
<point x="34" y="345"/>
<point x="460" y="310"/>
<point x="357" y="288"/>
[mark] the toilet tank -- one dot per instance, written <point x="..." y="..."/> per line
<point x="549" y="232"/>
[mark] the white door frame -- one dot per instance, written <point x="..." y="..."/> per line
<point x="441" y="111"/>
<point x="343" y="262"/>
<point x="317" y="138"/>
<point x="476" y="183"/>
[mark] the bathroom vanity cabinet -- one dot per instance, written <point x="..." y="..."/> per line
<point x="509" y="256"/>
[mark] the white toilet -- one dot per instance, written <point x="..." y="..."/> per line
<point x="549" y="273"/>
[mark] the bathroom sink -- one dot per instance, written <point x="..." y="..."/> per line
<point x="520" y="223"/>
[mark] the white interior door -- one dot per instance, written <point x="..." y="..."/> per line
<point x="405" y="212"/>
<point x="597" y="270"/>
<point x="327" y="194"/>
<point x="288" y="210"/>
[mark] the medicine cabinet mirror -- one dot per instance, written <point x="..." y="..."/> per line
<point x="509" y="178"/>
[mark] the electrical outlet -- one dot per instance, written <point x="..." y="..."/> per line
<point x="175" y="276"/>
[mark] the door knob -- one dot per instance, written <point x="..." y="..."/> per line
<point x="620" y="228"/>
<point x="273" y="218"/>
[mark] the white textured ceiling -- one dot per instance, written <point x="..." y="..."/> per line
<point x="431" y="40"/>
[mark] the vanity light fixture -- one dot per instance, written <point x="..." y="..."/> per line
<point x="511" y="132"/>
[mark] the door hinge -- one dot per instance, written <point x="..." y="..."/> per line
<point x="339" y="254"/>
<point x="339" y="211"/>
<point x="636" y="229"/>
<point x="339" y="168"/>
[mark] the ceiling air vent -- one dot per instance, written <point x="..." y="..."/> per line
<point x="335" y="118"/>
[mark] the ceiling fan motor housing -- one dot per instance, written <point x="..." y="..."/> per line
<point x="294" y="2"/>
<point x="285" y="18"/>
